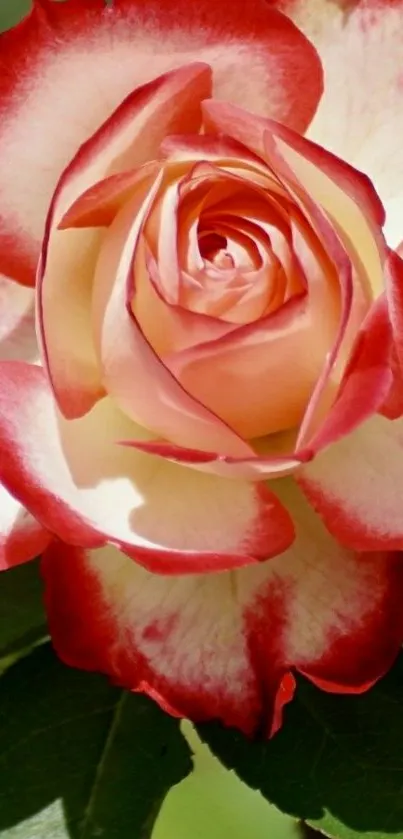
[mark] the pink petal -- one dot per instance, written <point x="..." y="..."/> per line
<point x="17" y="324"/>
<point x="343" y="193"/>
<point x="326" y="190"/>
<point x="393" y="405"/>
<point x="165" y="326"/>
<point x="259" y="60"/>
<point x="98" y="205"/>
<point x="82" y="486"/>
<point x="370" y="382"/>
<point x="273" y="362"/>
<point x="222" y="646"/>
<point x="134" y="375"/>
<point x="21" y="537"/>
<point x="366" y="382"/>
<point x="29" y="48"/>
<point x="68" y="256"/>
<point x="360" y="116"/>
<point x="394" y="294"/>
<point x="73" y="63"/>
<point x="356" y="486"/>
<point x="220" y="150"/>
<point x="253" y="468"/>
<point x="365" y="387"/>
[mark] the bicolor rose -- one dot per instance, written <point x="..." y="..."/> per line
<point x="202" y="310"/>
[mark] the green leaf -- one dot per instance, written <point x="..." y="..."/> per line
<point x="22" y="616"/>
<point x="337" y="763"/>
<point x="80" y="758"/>
<point x="11" y="11"/>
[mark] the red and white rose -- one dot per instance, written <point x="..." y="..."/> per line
<point x="199" y="211"/>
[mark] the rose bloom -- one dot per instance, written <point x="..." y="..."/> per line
<point x="201" y="212"/>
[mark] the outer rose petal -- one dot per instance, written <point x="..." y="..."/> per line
<point x="222" y="646"/>
<point x="75" y="61"/>
<point x="360" y="116"/>
<point x="21" y="537"/>
<point x="17" y="322"/>
<point x="89" y="490"/>
<point x="356" y="486"/>
<point x="284" y="76"/>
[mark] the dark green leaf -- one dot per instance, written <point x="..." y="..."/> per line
<point x="107" y="756"/>
<point x="337" y="762"/>
<point x="22" y="616"/>
<point x="11" y="11"/>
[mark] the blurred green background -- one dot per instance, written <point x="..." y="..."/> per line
<point x="211" y="803"/>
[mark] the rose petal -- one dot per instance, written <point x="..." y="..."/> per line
<point x="21" y="537"/>
<point x="273" y="362"/>
<point x="360" y="114"/>
<point x="356" y="486"/>
<point x="98" y="205"/>
<point x="73" y="63"/>
<point x="392" y="407"/>
<point x="167" y="327"/>
<point x="394" y="294"/>
<point x="222" y="151"/>
<point x="88" y="490"/>
<point x="222" y="646"/>
<point x="345" y="195"/>
<point x="133" y="374"/>
<point x="366" y="382"/>
<point x="68" y="256"/>
<point x="253" y="468"/>
<point x="258" y="60"/>
<point x="17" y="324"/>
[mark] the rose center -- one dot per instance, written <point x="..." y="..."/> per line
<point x="213" y="248"/>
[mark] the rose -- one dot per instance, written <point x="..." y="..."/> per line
<point x="218" y="357"/>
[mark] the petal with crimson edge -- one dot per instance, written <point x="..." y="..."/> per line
<point x="356" y="486"/>
<point x="74" y="62"/>
<point x="82" y="486"/>
<point x="394" y="295"/>
<point x="222" y="645"/>
<point x="21" y="536"/>
<point x="68" y="257"/>
<point x="256" y="467"/>
<point x="283" y="76"/>
<point x="345" y="194"/>
<point x="158" y="401"/>
<point x="17" y="325"/>
<point x="360" y="116"/>
<point x="368" y="383"/>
